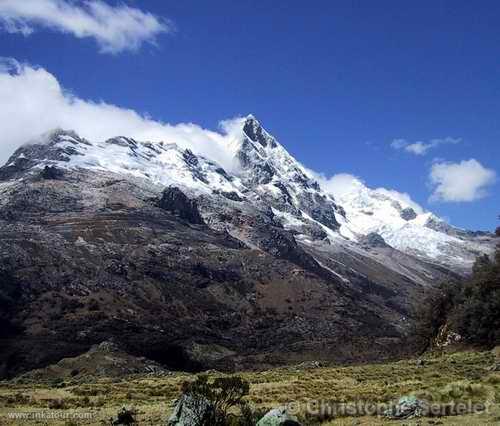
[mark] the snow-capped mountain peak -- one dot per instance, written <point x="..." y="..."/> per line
<point x="266" y="177"/>
<point x="164" y="164"/>
<point x="406" y="226"/>
<point x="268" y="168"/>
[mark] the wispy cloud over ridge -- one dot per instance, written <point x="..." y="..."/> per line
<point x="114" y="28"/>
<point x="344" y="184"/>
<point x="421" y="148"/>
<point x="38" y="103"/>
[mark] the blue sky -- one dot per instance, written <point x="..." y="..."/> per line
<point x="336" y="83"/>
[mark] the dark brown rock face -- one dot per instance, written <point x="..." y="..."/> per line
<point x="175" y="201"/>
<point x="51" y="172"/>
<point x="90" y="257"/>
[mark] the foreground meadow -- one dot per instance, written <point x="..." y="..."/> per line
<point x="465" y="376"/>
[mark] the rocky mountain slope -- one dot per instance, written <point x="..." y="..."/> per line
<point x="196" y="266"/>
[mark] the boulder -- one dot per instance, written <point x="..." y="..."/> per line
<point x="190" y="410"/>
<point x="278" y="417"/>
<point x="407" y="407"/>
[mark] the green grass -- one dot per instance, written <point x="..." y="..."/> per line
<point x="441" y="379"/>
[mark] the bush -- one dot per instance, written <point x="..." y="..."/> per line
<point x="56" y="404"/>
<point x="433" y="312"/>
<point x="470" y="308"/>
<point x="476" y="311"/>
<point x="249" y="416"/>
<point x="125" y="417"/>
<point x="222" y="394"/>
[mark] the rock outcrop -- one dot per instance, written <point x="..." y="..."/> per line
<point x="175" y="201"/>
<point x="278" y="417"/>
<point x="407" y="407"/>
<point x="189" y="410"/>
<point x="408" y="214"/>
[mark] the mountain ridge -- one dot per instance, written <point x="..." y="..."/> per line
<point x="265" y="172"/>
<point x="166" y="251"/>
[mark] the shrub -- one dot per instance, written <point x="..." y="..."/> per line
<point x="56" y="404"/>
<point x="249" y="416"/>
<point x="125" y="417"/>
<point x="476" y="311"/>
<point x="433" y="312"/>
<point x="222" y="394"/>
<point x="470" y="308"/>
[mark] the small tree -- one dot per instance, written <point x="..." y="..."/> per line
<point x="476" y="313"/>
<point x="222" y="394"/>
<point x="431" y="314"/>
<point x="470" y="307"/>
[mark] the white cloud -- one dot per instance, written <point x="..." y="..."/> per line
<point x="115" y="29"/>
<point x="399" y="143"/>
<point x="343" y="184"/>
<point x="403" y="197"/>
<point x="37" y="103"/>
<point x="418" y="148"/>
<point x="421" y="148"/>
<point x="338" y="185"/>
<point x="459" y="182"/>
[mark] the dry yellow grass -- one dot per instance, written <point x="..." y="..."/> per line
<point x="454" y="377"/>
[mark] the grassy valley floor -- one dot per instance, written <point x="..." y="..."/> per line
<point x="461" y="377"/>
